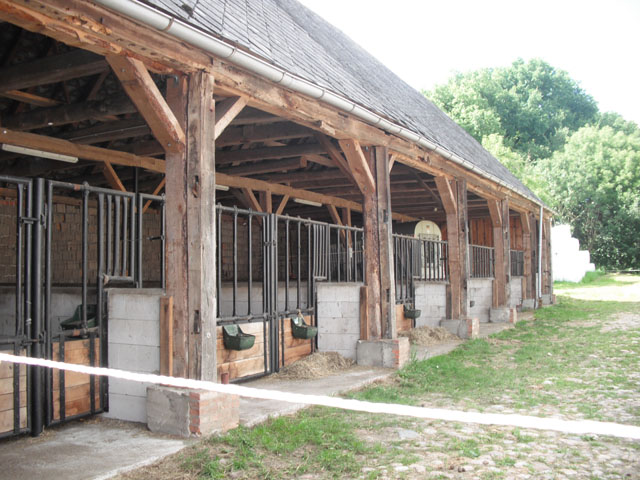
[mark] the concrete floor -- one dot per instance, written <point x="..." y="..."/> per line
<point x="101" y="448"/>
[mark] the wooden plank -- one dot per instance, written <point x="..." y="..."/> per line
<point x="85" y="152"/>
<point x="166" y="335"/>
<point x="6" y="399"/>
<point x="6" y="385"/>
<point x="262" y="133"/>
<point x="267" y="153"/>
<point x="358" y="165"/>
<point x="144" y="93"/>
<point x="403" y="324"/>
<point x="364" y="319"/>
<point x="30" y="98"/>
<point x="112" y="177"/>
<point x="266" y="167"/>
<point x="51" y="69"/>
<point x="242" y="368"/>
<point x="226" y="111"/>
<point x="278" y="189"/>
<point x="6" y="420"/>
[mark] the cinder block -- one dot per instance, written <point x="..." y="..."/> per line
<point x="127" y="407"/>
<point x="133" y="332"/>
<point x="528" y="304"/>
<point x="187" y="413"/>
<point x="140" y="358"/>
<point x="499" y="315"/>
<point x="387" y="353"/>
<point x="465" y="328"/>
<point x="329" y="342"/>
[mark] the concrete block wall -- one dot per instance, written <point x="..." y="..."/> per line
<point x="134" y="345"/>
<point x="516" y="292"/>
<point x="431" y="299"/>
<point x="480" y="294"/>
<point x="338" y="317"/>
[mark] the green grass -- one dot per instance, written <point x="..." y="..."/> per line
<point x="564" y="359"/>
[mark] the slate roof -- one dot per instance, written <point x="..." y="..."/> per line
<point x="297" y="40"/>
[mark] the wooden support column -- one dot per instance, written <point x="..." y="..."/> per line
<point x="454" y="200"/>
<point x="525" y="221"/>
<point x="534" y="256"/>
<point x="176" y="231"/>
<point x="499" y="212"/>
<point x="190" y="190"/>
<point x="201" y="226"/>
<point x="387" y="280"/>
<point x="547" y="284"/>
<point x="372" y="265"/>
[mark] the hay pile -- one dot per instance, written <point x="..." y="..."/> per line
<point x="317" y="365"/>
<point x="426" y="336"/>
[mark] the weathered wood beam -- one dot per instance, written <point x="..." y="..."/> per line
<point x="429" y="190"/>
<point x="333" y="212"/>
<point x="283" y="204"/>
<point x="266" y="167"/>
<point x="336" y="155"/>
<point x="30" y="98"/>
<point x="226" y="111"/>
<point x="156" y="191"/>
<point x="52" y="69"/>
<point x="320" y="160"/>
<point x="447" y="195"/>
<point x="262" y="133"/>
<point x="358" y="165"/>
<point x="86" y="152"/>
<point x="277" y="189"/>
<point x="108" y="132"/>
<point x="144" y="93"/>
<point x="267" y="153"/>
<point x="266" y="202"/>
<point x="65" y="114"/>
<point x="392" y="161"/>
<point x="112" y="177"/>
<point x="251" y="199"/>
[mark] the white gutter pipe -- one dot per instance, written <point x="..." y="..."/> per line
<point x="213" y="45"/>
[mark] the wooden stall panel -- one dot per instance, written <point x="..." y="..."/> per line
<point x="481" y="231"/>
<point x="6" y="395"/>
<point x="77" y="386"/>
<point x="296" y="348"/>
<point x="241" y="363"/>
<point x="515" y="233"/>
<point x="403" y="324"/>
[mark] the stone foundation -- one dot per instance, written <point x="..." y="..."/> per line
<point x="465" y="328"/>
<point x="503" y="315"/>
<point x="383" y="353"/>
<point x="186" y="413"/>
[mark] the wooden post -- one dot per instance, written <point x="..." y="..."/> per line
<point x="454" y="200"/>
<point x="176" y="231"/>
<point x="525" y="221"/>
<point x="372" y="260"/>
<point x="499" y="212"/>
<point x="387" y="281"/>
<point x="534" y="257"/>
<point x="547" y="285"/>
<point x="201" y="227"/>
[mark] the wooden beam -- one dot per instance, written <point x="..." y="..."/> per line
<point x="262" y="133"/>
<point x="156" y="191"/>
<point x="112" y="177"/>
<point x="65" y="114"/>
<point x="283" y="203"/>
<point x="85" y="152"/>
<point x="392" y="161"/>
<point x="358" y="164"/>
<point x="320" y="160"/>
<point x="266" y="167"/>
<point x="30" y="98"/>
<point x="226" y="111"/>
<point x="272" y="153"/>
<point x="144" y="93"/>
<point x="501" y="251"/>
<point x="108" y="132"/>
<point x="277" y="189"/>
<point x="446" y="195"/>
<point x="333" y="212"/>
<point x="266" y="202"/>
<point x="51" y="69"/>
<point x="346" y="216"/>
<point x="251" y="199"/>
<point x="495" y="212"/>
<point x="335" y="155"/>
<point x="428" y="189"/>
<point x="166" y="336"/>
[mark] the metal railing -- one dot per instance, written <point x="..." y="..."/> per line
<point x="417" y="259"/>
<point x="482" y="261"/>
<point x="517" y="263"/>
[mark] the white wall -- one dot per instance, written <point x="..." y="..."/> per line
<point x="480" y="292"/>
<point x="431" y="300"/>
<point x="338" y="317"/>
<point x="569" y="262"/>
<point x="516" y="292"/>
<point x="134" y="345"/>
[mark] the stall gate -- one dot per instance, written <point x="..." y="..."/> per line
<point x="267" y="269"/>
<point x="111" y="223"/>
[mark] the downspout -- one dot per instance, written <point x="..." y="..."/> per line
<point x="213" y="45"/>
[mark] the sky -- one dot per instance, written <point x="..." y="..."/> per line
<point x="426" y="42"/>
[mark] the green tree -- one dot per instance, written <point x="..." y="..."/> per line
<point x="534" y="106"/>
<point x="594" y="185"/>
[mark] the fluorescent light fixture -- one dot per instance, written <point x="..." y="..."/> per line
<point x="39" y="153"/>
<point x="307" y="202"/>
<point x="223" y="188"/>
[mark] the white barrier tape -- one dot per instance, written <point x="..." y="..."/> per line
<point x="579" y="427"/>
